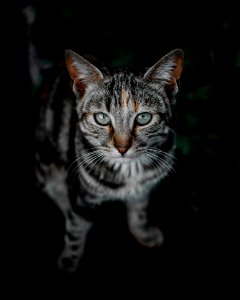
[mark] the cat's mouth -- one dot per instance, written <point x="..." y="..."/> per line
<point x="124" y="159"/>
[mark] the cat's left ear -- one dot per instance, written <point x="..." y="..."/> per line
<point x="167" y="71"/>
<point x="82" y="72"/>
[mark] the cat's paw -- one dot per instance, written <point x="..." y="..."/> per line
<point x="150" y="237"/>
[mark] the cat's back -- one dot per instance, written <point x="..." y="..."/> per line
<point x="55" y="125"/>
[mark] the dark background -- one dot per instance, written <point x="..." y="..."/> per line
<point x="197" y="207"/>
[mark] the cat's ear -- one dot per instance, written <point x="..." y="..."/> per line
<point x="81" y="71"/>
<point x="167" y="71"/>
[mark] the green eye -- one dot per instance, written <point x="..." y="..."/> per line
<point x="143" y="118"/>
<point x="102" y="119"/>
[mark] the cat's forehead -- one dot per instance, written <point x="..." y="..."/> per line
<point x="128" y="90"/>
<point x="120" y="81"/>
<point x="124" y="92"/>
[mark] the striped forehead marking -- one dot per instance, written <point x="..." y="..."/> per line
<point x="124" y="98"/>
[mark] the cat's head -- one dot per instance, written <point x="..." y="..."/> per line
<point x="127" y="117"/>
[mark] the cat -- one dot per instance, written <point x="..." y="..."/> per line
<point x="111" y="141"/>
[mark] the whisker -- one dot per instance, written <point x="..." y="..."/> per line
<point x="162" y="152"/>
<point x="162" y="162"/>
<point x="97" y="161"/>
<point x="154" y="152"/>
<point x="81" y="156"/>
<point x="90" y="161"/>
<point x="156" y="167"/>
<point x="83" y="159"/>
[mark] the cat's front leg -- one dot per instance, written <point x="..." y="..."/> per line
<point x="76" y="232"/>
<point x="146" y="235"/>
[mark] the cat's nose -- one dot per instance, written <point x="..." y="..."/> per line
<point x="122" y="142"/>
<point x="122" y="150"/>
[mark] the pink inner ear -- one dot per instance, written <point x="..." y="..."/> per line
<point x="179" y="67"/>
<point x="80" y="86"/>
<point x="71" y="69"/>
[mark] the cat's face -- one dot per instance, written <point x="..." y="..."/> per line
<point x="125" y="118"/>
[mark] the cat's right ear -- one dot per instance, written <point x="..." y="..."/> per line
<point x="81" y="71"/>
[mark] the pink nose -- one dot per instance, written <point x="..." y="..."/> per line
<point x="122" y="150"/>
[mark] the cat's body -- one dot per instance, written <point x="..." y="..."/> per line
<point x="113" y="142"/>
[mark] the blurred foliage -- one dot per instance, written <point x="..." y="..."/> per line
<point x="124" y="58"/>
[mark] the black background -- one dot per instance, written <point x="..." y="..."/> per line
<point x="197" y="207"/>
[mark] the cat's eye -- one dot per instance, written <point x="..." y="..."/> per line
<point x="143" y="118"/>
<point x="102" y="119"/>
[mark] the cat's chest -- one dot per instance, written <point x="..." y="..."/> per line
<point x="127" y="182"/>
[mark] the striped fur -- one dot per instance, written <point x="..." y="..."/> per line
<point x="81" y="163"/>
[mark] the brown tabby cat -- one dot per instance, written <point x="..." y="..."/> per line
<point x="112" y="142"/>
